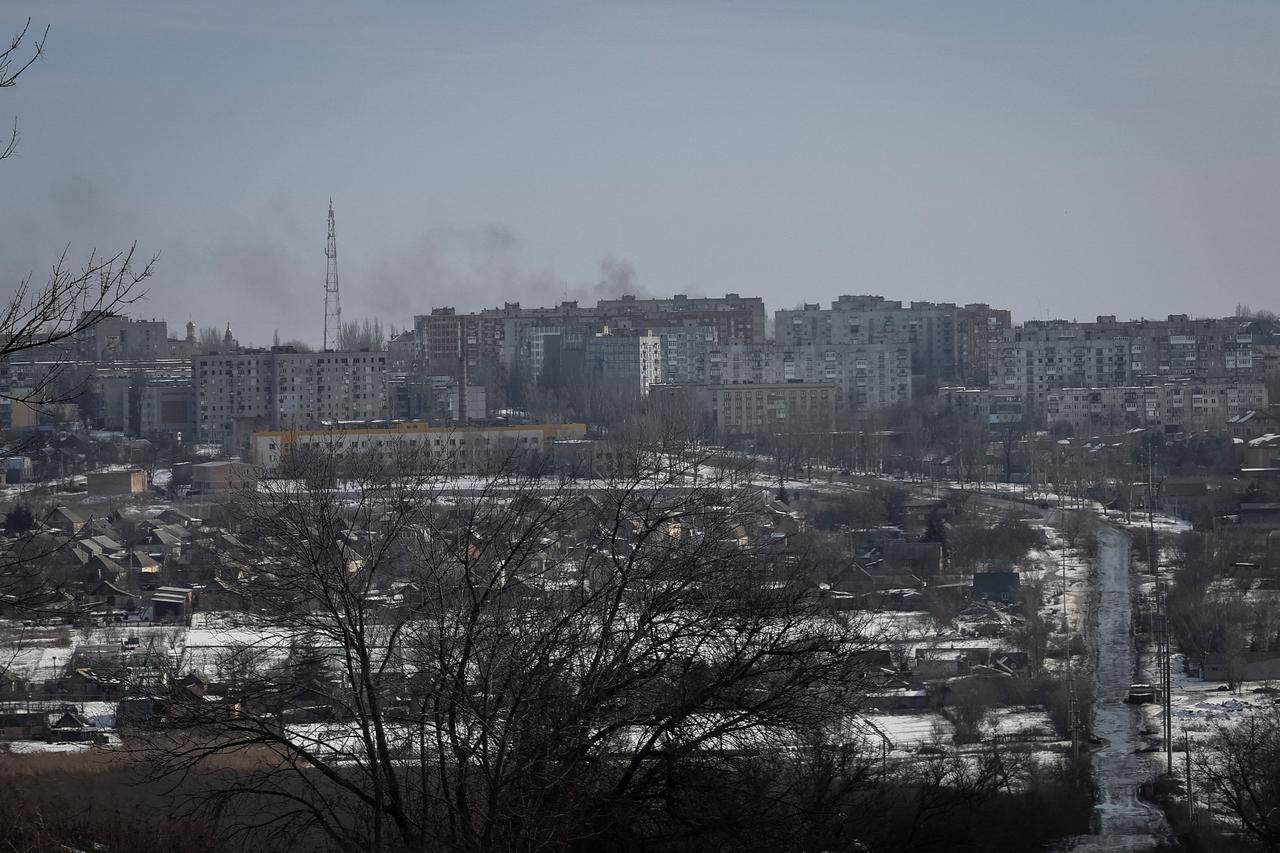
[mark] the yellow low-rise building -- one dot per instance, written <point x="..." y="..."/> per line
<point x="461" y="448"/>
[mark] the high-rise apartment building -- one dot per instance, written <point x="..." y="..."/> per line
<point x="448" y="340"/>
<point x="1185" y="405"/>
<point x="863" y="376"/>
<point x="115" y="337"/>
<point x="948" y="342"/>
<point x="735" y="319"/>
<point x="279" y="388"/>
<point x="770" y="408"/>
<point x="632" y="361"/>
<point x="1039" y="358"/>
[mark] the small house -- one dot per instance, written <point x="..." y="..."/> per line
<point x="1244" y="666"/>
<point x="17" y="469"/>
<point x="117" y="481"/>
<point x="931" y="665"/>
<point x="23" y="725"/>
<point x="172" y="604"/>
<point x="922" y="559"/>
<point x="73" y="727"/>
<point x="67" y="519"/>
<point x="996" y="586"/>
<point x="113" y="597"/>
<point x="172" y="515"/>
<point x="222" y="476"/>
<point x="1260" y="515"/>
<point x="194" y="685"/>
<point x="12" y="683"/>
<point x="1181" y="497"/>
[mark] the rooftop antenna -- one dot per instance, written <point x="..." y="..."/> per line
<point x="332" y="310"/>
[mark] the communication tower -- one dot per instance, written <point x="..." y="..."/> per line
<point x="332" y="310"/>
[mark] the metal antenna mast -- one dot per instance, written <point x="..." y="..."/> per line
<point x="332" y="310"/>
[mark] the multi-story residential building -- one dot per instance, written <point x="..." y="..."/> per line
<point x="632" y="361"/>
<point x="119" y="386"/>
<point x="947" y="342"/>
<point x="1039" y="359"/>
<point x="522" y="330"/>
<point x="167" y="409"/>
<point x="1107" y="410"/>
<point x="1208" y="404"/>
<point x="403" y="352"/>
<point x="865" y="376"/>
<point x="1036" y="365"/>
<point x="115" y="386"/>
<point x="1186" y="405"/>
<point x="978" y="327"/>
<point x="772" y="408"/>
<point x="454" y="448"/>
<point x="1186" y="347"/>
<point x="984" y="404"/>
<point x="114" y="337"/>
<point x="528" y="348"/>
<point x="453" y="344"/>
<point x="968" y="402"/>
<point x="438" y="399"/>
<point x="279" y="388"/>
<point x="447" y="340"/>
<point x="686" y="352"/>
<point x="1267" y="351"/>
<point x="735" y="319"/>
<point x="740" y="364"/>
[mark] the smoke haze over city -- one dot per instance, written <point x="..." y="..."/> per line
<point x="1062" y="160"/>
<point x="618" y="427"/>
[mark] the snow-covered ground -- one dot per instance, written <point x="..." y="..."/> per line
<point x="1122" y="820"/>
<point x="1198" y="705"/>
<point x="32" y="747"/>
<point x="909" y="732"/>
<point x="40" y="654"/>
<point x="37" y="654"/>
<point x="1065" y="572"/>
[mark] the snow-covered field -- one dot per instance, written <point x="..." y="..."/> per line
<point x="908" y="732"/>
<point x="1198" y="705"/>
<point x="40" y="654"/>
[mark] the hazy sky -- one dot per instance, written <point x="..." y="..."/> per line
<point x="1060" y="159"/>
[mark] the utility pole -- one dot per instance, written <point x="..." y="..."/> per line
<point x="1164" y="646"/>
<point x="332" y="310"/>
<point x="1150" y="487"/>
<point x="1062" y="570"/>
<point x="1162" y="664"/>
<point x="1186" y="757"/>
<point x="1073" y="722"/>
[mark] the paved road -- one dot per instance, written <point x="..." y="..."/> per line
<point x="1121" y="820"/>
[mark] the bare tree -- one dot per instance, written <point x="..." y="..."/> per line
<point x="1238" y="769"/>
<point x="209" y="339"/>
<point x="525" y="664"/>
<point x="74" y="297"/>
<point x="47" y="319"/>
<point x="969" y="705"/>
<point x="13" y="63"/>
<point x="367" y="334"/>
